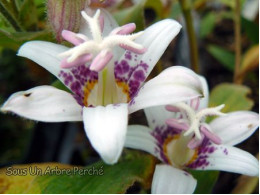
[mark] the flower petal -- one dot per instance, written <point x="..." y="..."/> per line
<point x="106" y="129"/>
<point x="43" y="53"/>
<point x="169" y="180"/>
<point x="44" y="103"/>
<point x="225" y="158"/>
<point x="155" y="39"/>
<point x="175" y="84"/>
<point x="139" y="137"/>
<point x="205" y="99"/>
<point x="156" y="116"/>
<point x="235" y="127"/>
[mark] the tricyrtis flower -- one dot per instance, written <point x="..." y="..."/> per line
<point x="105" y="70"/>
<point x="182" y="139"/>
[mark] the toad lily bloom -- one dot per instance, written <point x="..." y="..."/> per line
<point x="105" y="70"/>
<point x="182" y="139"/>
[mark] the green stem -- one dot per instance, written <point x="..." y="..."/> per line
<point x="10" y="18"/>
<point x="186" y="9"/>
<point x="237" y="41"/>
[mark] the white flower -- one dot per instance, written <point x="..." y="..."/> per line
<point x="182" y="139"/>
<point x="106" y="80"/>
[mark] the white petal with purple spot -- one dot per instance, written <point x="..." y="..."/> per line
<point x="169" y="180"/>
<point x="106" y="129"/>
<point x="44" y="103"/>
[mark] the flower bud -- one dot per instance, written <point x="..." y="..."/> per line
<point x="64" y="15"/>
<point x="104" y="3"/>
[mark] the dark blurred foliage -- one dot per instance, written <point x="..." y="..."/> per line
<point x="23" y="141"/>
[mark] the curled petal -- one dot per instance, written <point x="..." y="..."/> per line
<point x="44" y="103"/>
<point x="169" y="180"/>
<point x="139" y="137"/>
<point x="106" y="129"/>
<point x="43" y="53"/>
<point x="173" y="85"/>
<point x="225" y="158"/>
<point x="235" y="127"/>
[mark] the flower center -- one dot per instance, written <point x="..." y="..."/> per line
<point x="193" y="123"/>
<point x="98" y="50"/>
<point x="177" y="151"/>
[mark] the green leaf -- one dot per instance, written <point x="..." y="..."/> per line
<point x="207" y="24"/>
<point x="251" y="29"/>
<point x="233" y="96"/>
<point x="206" y="181"/>
<point x="29" y="21"/>
<point x="133" y="14"/>
<point x="225" y="57"/>
<point x="14" y="40"/>
<point x="96" y="178"/>
<point x="58" y="84"/>
<point x="157" y="6"/>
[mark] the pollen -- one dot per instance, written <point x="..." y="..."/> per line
<point x="87" y="90"/>
<point x="125" y="89"/>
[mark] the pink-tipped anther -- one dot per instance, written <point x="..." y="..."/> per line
<point x="194" y="143"/>
<point x="211" y="136"/>
<point x="101" y="60"/>
<point x="71" y="37"/>
<point x="172" y="108"/>
<point x="127" y="29"/>
<point x="124" y="30"/>
<point x="101" y="22"/>
<point x="174" y="123"/>
<point x="79" y="61"/>
<point x="137" y="51"/>
<point x="195" y="103"/>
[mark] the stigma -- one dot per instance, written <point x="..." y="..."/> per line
<point x="98" y="50"/>
<point x="193" y="123"/>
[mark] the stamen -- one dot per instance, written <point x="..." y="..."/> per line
<point x="195" y="122"/>
<point x="194" y="142"/>
<point x="172" y="108"/>
<point x="101" y="60"/>
<point x="98" y="48"/>
<point x="137" y="51"/>
<point x="214" y="138"/>
<point x="124" y="30"/>
<point x="175" y="123"/>
<point x="195" y="103"/>
<point x="101" y="22"/>
<point x="79" y="61"/>
<point x="72" y="37"/>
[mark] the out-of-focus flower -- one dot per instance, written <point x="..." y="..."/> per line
<point x="182" y="139"/>
<point x="64" y="14"/>
<point x="103" y="97"/>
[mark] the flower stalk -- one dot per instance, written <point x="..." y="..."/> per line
<point x="186" y="9"/>
<point x="237" y="42"/>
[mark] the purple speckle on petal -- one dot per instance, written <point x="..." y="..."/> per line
<point x="139" y="75"/>
<point x="76" y="79"/>
<point x="225" y="151"/>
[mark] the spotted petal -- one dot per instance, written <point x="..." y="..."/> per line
<point x="173" y="85"/>
<point x="44" y="103"/>
<point x="43" y="53"/>
<point x="225" y="158"/>
<point x="106" y="129"/>
<point x="169" y="180"/>
<point x="139" y="137"/>
<point x="135" y="68"/>
<point x="235" y="127"/>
